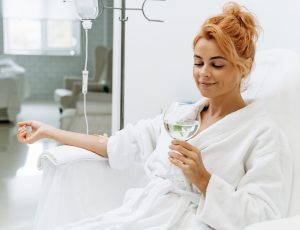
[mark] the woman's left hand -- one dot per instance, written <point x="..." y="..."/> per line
<point x="188" y="158"/>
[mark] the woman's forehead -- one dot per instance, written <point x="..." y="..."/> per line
<point x="207" y="47"/>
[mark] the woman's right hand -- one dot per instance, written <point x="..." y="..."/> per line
<point x="38" y="131"/>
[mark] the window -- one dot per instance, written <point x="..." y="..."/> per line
<point x="40" y="27"/>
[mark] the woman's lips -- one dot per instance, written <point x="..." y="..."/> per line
<point x="207" y="84"/>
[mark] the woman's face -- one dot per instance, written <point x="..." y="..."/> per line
<point x="214" y="75"/>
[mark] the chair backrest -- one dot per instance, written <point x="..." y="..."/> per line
<point x="103" y="66"/>
<point x="275" y="80"/>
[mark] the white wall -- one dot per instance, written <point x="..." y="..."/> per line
<point x="159" y="57"/>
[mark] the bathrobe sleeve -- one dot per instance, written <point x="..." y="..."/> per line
<point x="134" y="143"/>
<point x="262" y="194"/>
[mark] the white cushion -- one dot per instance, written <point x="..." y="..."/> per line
<point x="275" y="80"/>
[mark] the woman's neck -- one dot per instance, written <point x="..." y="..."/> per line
<point x="221" y="106"/>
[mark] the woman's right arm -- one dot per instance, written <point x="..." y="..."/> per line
<point x="96" y="144"/>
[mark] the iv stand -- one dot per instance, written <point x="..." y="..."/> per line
<point x="123" y="20"/>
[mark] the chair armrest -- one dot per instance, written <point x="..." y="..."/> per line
<point x="96" y="97"/>
<point x="69" y="82"/>
<point x="290" y="223"/>
<point x="97" y="87"/>
<point x="82" y="186"/>
<point x="65" y="154"/>
<point x="92" y="87"/>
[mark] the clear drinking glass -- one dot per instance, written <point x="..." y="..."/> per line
<point x="181" y="123"/>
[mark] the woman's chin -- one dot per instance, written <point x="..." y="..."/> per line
<point x="206" y="94"/>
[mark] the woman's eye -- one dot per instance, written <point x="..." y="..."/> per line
<point x="198" y="64"/>
<point x="218" y="66"/>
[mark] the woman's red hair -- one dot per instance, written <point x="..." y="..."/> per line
<point x="235" y="31"/>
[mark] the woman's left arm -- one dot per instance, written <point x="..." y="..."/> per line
<point x="263" y="193"/>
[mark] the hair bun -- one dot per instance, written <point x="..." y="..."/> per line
<point x="233" y="9"/>
<point x="243" y="15"/>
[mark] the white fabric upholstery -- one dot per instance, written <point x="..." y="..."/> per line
<point x="93" y="186"/>
<point x="275" y="80"/>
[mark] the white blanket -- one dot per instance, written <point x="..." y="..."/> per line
<point x="245" y="152"/>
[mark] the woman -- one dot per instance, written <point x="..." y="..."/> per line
<point x="239" y="163"/>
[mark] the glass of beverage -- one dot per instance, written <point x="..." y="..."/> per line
<point x="181" y="122"/>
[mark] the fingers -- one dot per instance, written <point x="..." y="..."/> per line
<point x="22" y="136"/>
<point x="25" y="123"/>
<point x="178" y="163"/>
<point x="32" y="124"/>
<point x="186" y="149"/>
<point x="186" y="145"/>
<point x="21" y="128"/>
<point x="180" y="158"/>
<point x="32" y="137"/>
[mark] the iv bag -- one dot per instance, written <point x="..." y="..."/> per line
<point x="86" y="9"/>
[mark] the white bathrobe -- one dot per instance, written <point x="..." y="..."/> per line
<point x="245" y="152"/>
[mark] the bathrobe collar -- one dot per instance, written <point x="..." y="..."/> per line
<point x="228" y="123"/>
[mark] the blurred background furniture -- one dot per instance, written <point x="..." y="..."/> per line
<point x="275" y="81"/>
<point x="14" y="88"/>
<point x="70" y="98"/>
<point x="101" y="82"/>
<point x="98" y="109"/>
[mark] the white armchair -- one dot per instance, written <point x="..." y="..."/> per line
<point x="94" y="187"/>
<point x="276" y="82"/>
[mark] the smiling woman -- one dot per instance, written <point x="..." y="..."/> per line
<point x="230" y="162"/>
<point x="225" y="47"/>
<point x="224" y="52"/>
<point x="214" y="75"/>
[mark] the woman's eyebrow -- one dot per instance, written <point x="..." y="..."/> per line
<point x="217" y="57"/>
<point x="212" y="58"/>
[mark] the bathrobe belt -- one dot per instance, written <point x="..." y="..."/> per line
<point x="159" y="186"/>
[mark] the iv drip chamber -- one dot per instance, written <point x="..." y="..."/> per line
<point x="86" y="9"/>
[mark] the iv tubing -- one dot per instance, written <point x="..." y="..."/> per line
<point x="86" y="49"/>
<point x="84" y="93"/>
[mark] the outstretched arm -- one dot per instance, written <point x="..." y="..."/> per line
<point x="96" y="144"/>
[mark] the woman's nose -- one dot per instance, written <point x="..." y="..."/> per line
<point x="203" y="71"/>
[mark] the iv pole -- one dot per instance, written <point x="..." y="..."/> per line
<point x="123" y="21"/>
